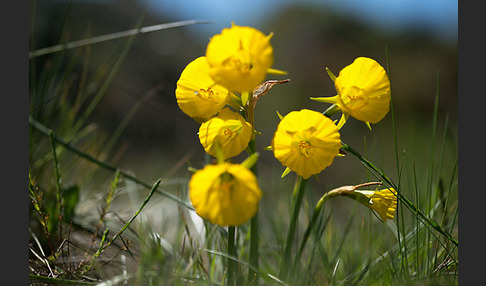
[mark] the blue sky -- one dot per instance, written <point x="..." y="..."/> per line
<point x="437" y="16"/>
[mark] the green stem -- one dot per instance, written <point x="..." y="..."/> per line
<point x="254" y="232"/>
<point x="231" y="254"/>
<point x="297" y="201"/>
<point x="248" y="101"/>
<point x="254" y="248"/>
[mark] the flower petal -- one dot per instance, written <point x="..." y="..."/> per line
<point x="239" y="57"/>
<point x="383" y="202"/>
<point x="197" y="94"/>
<point x="306" y="142"/>
<point x="364" y="90"/>
<point x="225" y="194"/>
<point x="228" y="130"/>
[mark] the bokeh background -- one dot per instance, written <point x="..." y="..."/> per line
<point x="419" y="37"/>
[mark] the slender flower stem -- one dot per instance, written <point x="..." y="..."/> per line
<point x="248" y="102"/>
<point x="254" y="248"/>
<point x="231" y="254"/>
<point x="254" y="243"/>
<point x="297" y="201"/>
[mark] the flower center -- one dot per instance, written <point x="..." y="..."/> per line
<point x="207" y="94"/>
<point x="240" y="61"/>
<point x="226" y="182"/>
<point x="305" y="148"/>
<point x="352" y="97"/>
<point x="231" y="129"/>
<point x="236" y="63"/>
<point x="229" y="134"/>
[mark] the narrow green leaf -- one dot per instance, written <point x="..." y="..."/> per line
<point x="250" y="161"/>
<point x="152" y="191"/>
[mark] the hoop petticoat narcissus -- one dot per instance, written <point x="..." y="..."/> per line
<point x="228" y="131"/>
<point x="306" y="142"/>
<point x="363" y="92"/>
<point x="240" y="57"/>
<point x="225" y="194"/>
<point x="197" y="94"/>
<point x="382" y="202"/>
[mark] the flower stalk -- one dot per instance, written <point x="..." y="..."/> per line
<point x="298" y="194"/>
<point x="254" y="230"/>
<point x="231" y="256"/>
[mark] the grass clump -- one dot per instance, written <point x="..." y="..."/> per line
<point x="94" y="223"/>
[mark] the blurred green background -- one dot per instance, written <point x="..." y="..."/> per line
<point x="307" y="39"/>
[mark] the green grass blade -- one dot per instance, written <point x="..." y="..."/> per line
<point x="432" y="145"/>
<point x="109" y="198"/>
<point x="111" y="76"/>
<point x="381" y="175"/>
<point x="59" y="193"/>
<point x="152" y="191"/>
<point x="399" y="210"/>
<point x="392" y="113"/>
<point x="266" y="276"/>
<point x="98" y="251"/>
<point x="417" y="222"/>
<point x="65" y="20"/>
<point x="347" y="228"/>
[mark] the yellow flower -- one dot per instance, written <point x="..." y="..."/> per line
<point x="306" y="142"/>
<point x="225" y="194"/>
<point x="239" y="58"/>
<point x="228" y="131"/>
<point x="383" y="202"/>
<point x="196" y="93"/>
<point x="363" y="92"/>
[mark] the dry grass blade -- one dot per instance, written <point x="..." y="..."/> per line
<point x="113" y="36"/>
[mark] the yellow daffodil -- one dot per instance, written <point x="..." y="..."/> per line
<point x="225" y="194"/>
<point x="382" y="202"/>
<point x="240" y="57"/>
<point x="363" y="92"/>
<point x="228" y="131"/>
<point x="197" y="94"/>
<point x="306" y="142"/>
